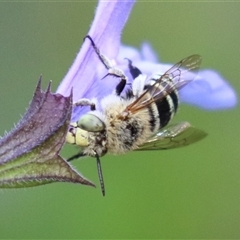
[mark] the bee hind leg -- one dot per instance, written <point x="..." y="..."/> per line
<point x="135" y="72"/>
<point x="112" y="71"/>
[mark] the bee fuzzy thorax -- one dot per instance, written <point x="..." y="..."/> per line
<point x="128" y="134"/>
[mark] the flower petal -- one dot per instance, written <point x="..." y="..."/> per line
<point x="148" y="53"/>
<point x="128" y="52"/>
<point x="209" y="91"/>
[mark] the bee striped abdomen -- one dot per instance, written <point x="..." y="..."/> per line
<point x="166" y="106"/>
<point x="153" y="118"/>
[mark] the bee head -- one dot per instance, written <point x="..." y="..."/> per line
<point x="91" y="123"/>
<point x="76" y="135"/>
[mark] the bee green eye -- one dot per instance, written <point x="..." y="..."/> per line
<point x="91" y="123"/>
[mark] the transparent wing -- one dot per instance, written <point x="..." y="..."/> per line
<point x="174" y="136"/>
<point x="176" y="77"/>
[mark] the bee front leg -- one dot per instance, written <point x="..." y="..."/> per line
<point x="111" y="69"/>
<point x="116" y="72"/>
<point x="76" y="156"/>
<point x="85" y="102"/>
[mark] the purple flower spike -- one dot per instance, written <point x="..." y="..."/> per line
<point x="85" y="75"/>
<point x="208" y="91"/>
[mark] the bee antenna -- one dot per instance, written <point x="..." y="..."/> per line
<point x="100" y="175"/>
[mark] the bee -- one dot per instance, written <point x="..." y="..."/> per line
<point x="137" y="118"/>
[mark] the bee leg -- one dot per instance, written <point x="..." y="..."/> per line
<point x="111" y="69"/>
<point x="78" y="155"/>
<point x="85" y="102"/>
<point x="106" y="62"/>
<point x="135" y="72"/>
<point x="116" y="72"/>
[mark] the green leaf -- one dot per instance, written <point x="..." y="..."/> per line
<point x="29" y="154"/>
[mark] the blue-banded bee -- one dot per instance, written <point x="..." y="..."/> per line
<point x="135" y="119"/>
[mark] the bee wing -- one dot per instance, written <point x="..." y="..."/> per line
<point x="176" y="77"/>
<point x="174" y="136"/>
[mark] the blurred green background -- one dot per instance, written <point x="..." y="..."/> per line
<point x="193" y="192"/>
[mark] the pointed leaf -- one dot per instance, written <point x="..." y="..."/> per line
<point x="29" y="153"/>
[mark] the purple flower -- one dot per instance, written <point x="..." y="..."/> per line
<point x="208" y="91"/>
